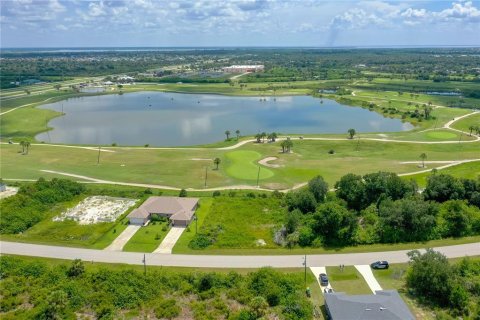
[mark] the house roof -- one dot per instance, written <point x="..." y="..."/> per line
<point x="139" y="213"/>
<point x="176" y="207"/>
<point x="384" y="305"/>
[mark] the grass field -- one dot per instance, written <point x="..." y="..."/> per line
<point x="467" y="170"/>
<point x="243" y="221"/>
<point x="148" y="238"/>
<point x="242" y="165"/>
<point x="465" y="123"/>
<point x="348" y="280"/>
<point x="175" y="167"/>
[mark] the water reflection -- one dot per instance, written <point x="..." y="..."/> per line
<point x="173" y="119"/>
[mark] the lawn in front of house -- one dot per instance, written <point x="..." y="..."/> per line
<point x="348" y="280"/>
<point x="148" y="238"/>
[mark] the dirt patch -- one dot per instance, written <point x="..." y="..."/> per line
<point x="97" y="209"/>
<point x="200" y="159"/>
<point x="265" y="162"/>
<point x="9" y="191"/>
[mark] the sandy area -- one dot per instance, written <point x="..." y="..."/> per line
<point x="201" y="159"/>
<point x="97" y="209"/>
<point x="11" y="191"/>
<point x="265" y="162"/>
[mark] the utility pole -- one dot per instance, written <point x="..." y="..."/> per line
<point x="258" y="175"/>
<point x="144" y="265"/>
<point x="206" y="177"/>
<point x="98" y="157"/>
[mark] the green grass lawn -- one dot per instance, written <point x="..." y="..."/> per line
<point x="242" y="165"/>
<point x="202" y="212"/>
<point x="469" y="170"/>
<point x="465" y="123"/>
<point x="148" y="238"/>
<point x="348" y="280"/>
<point x="175" y="167"/>
<point x="243" y="221"/>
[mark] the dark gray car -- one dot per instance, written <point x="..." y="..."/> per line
<point x="323" y="279"/>
<point x="379" y="265"/>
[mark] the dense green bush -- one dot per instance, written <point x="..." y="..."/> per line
<point x="33" y="201"/>
<point x="50" y="292"/>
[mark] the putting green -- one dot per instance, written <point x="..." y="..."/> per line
<point x="441" y="135"/>
<point x="243" y="165"/>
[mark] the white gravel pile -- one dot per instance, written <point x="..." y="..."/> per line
<point x="97" y="209"/>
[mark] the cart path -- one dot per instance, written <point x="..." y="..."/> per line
<point x="218" y="261"/>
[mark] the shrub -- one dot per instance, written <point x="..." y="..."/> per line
<point x="167" y="309"/>
<point x="76" y="269"/>
<point x="183" y="193"/>
<point x="200" y="241"/>
<point x="216" y="193"/>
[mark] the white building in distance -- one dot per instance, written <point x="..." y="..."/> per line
<point x="244" y="68"/>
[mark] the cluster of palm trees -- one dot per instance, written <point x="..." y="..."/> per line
<point x="227" y="133"/>
<point x="271" y="137"/>
<point x="25" y="145"/>
<point x="474" y="128"/>
<point x="286" y="145"/>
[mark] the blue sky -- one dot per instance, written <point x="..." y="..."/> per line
<point x="79" y="23"/>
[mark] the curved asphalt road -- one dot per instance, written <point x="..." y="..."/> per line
<point x="214" y="261"/>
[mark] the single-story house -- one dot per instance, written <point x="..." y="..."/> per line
<point x="179" y="210"/>
<point x="383" y="305"/>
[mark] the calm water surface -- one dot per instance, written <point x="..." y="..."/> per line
<point x="176" y="119"/>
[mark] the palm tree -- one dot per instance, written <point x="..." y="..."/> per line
<point x="258" y="136"/>
<point x="22" y="143"/>
<point x="471" y="128"/>
<point x="289" y="144"/>
<point x="423" y="156"/>
<point x="216" y="162"/>
<point x="351" y="132"/>
<point x="227" y="133"/>
<point x="27" y="145"/>
<point x="273" y="136"/>
<point x="283" y="145"/>
<point x="264" y="135"/>
<point x="237" y="132"/>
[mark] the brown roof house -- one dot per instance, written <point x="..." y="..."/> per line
<point x="180" y="211"/>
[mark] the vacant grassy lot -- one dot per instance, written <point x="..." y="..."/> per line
<point x="242" y="221"/>
<point x="148" y="238"/>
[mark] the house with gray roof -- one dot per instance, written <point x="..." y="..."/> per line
<point x="383" y="305"/>
<point x="179" y="210"/>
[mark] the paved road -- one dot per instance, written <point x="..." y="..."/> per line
<point x="213" y="261"/>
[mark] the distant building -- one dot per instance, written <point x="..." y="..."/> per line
<point x="179" y="210"/>
<point x="244" y="68"/>
<point x="384" y="305"/>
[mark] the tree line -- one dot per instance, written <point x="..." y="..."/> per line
<point x="380" y="208"/>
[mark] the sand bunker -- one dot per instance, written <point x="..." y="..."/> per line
<point x="97" y="209"/>
<point x="265" y="162"/>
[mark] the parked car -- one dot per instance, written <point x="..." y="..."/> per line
<point x="328" y="290"/>
<point x="379" y="265"/>
<point x="323" y="279"/>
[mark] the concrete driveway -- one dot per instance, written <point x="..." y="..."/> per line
<point x="170" y="239"/>
<point x="316" y="271"/>
<point x="367" y="274"/>
<point x="122" y="239"/>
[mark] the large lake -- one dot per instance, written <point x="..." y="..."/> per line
<point x="175" y="119"/>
